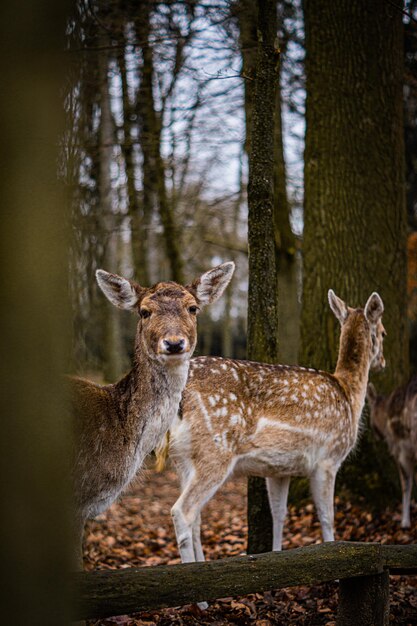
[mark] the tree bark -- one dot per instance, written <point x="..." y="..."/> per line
<point x="150" y="133"/>
<point x="139" y="236"/>
<point x="263" y="298"/>
<point x="112" y="341"/>
<point x="36" y="432"/>
<point x="287" y="261"/>
<point x="355" y="220"/>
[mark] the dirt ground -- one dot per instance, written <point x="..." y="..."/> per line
<point x="137" y="531"/>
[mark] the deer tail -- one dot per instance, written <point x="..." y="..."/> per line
<point x="162" y="453"/>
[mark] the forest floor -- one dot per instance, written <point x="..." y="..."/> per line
<point x="137" y="531"/>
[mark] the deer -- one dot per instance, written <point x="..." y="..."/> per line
<point x="118" y="425"/>
<point x="274" y="421"/>
<point x="393" y="418"/>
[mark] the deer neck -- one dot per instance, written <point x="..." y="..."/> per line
<point x="149" y="398"/>
<point x="353" y="364"/>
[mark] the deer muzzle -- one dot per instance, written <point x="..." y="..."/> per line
<point x="173" y="346"/>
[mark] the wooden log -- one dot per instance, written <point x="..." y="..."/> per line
<point x="400" y="559"/>
<point x="109" y="593"/>
<point x="116" y="592"/>
<point x="364" y="601"/>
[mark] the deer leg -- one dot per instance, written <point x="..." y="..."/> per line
<point x="186" y="511"/>
<point x="322" y="488"/>
<point x="406" y="477"/>
<point x="277" y="495"/>
<point x="186" y="518"/>
<point x="198" y="549"/>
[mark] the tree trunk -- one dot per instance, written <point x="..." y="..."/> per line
<point x="286" y="252"/>
<point x="262" y="304"/>
<point x="112" y="340"/>
<point x="36" y="431"/>
<point x="150" y="132"/>
<point x="139" y="236"/>
<point x="355" y="220"/>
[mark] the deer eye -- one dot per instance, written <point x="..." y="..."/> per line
<point x="144" y="313"/>
<point x="193" y="310"/>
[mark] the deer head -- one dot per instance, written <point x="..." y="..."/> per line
<point x="167" y="327"/>
<point x="368" y="324"/>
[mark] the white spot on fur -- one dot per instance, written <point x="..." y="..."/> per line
<point x="222" y="412"/>
<point x="204" y="412"/>
<point x="265" y="422"/>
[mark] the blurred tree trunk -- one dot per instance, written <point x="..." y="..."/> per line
<point x="139" y="236"/>
<point x="410" y="133"/>
<point x="286" y="252"/>
<point x="227" y="321"/>
<point x="35" y="491"/>
<point x="263" y="298"/>
<point x="150" y="137"/>
<point x="112" y="341"/>
<point x="355" y="220"/>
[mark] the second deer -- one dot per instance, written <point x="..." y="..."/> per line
<point x="394" y="418"/>
<point x="273" y="421"/>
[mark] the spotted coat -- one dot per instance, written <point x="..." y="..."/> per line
<point x="275" y="421"/>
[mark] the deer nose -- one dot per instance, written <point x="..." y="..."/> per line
<point x="174" y="346"/>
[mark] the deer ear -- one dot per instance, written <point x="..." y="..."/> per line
<point x="121" y="292"/>
<point x="371" y="394"/>
<point x="210" y="286"/>
<point x="338" y="307"/>
<point x="374" y="308"/>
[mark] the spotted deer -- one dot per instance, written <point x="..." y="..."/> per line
<point x="118" y="425"/>
<point x="394" y="419"/>
<point x="274" y="421"/>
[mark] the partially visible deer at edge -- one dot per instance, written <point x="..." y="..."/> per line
<point x="274" y="421"/>
<point x="394" y="419"/>
<point x="118" y="425"/>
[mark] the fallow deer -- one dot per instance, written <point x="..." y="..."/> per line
<point x="274" y="421"/>
<point x="118" y="425"/>
<point x="394" y="418"/>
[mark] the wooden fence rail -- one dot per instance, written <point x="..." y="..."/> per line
<point x="361" y="568"/>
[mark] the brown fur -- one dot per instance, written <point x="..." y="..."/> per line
<point x="394" y="419"/>
<point x="117" y="425"/>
